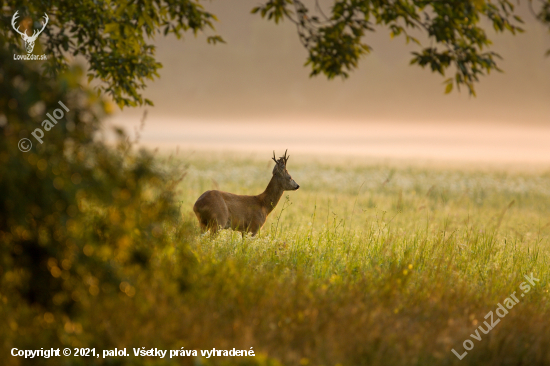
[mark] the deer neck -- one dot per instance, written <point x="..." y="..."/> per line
<point x="272" y="194"/>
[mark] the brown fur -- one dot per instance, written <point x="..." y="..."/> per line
<point x="215" y="209"/>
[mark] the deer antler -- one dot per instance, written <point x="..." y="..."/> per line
<point x="41" y="30"/>
<point x="24" y="34"/>
<point x="285" y="158"/>
<point x="282" y="159"/>
<point x="15" y="16"/>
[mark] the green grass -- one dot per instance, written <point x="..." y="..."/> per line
<point x="373" y="265"/>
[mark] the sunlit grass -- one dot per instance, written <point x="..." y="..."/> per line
<point x="376" y="264"/>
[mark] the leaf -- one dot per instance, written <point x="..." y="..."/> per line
<point x="518" y="19"/>
<point x="111" y="28"/>
<point x="215" y="39"/>
<point x="449" y="88"/>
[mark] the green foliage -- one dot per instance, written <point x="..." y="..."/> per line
<point x="83" y="225"/>
<point x="543" y="14"/>
<point x="113" y="36"/>
<point x="335" y="41"/>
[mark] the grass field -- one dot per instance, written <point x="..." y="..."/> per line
<point x="373" y="264"/>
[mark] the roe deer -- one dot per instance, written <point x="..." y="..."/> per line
<point x="243" y="213"/>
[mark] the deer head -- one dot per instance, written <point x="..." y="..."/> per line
<point x="282" y="175"/>
<point x="29" y="41"/>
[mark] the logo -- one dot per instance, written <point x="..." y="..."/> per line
<point x="29" y="41"/>
<point x="25" y="144"/>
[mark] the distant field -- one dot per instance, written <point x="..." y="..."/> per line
<point x="369" y="264"/>
<point x="524" y="145"/>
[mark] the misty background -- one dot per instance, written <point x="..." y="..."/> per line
<point x="254" y="95"/>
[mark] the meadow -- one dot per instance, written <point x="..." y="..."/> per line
<point x="368" y="263"/>
<point x="372" y="264"/>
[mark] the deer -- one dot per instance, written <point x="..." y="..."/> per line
<point x="29" y="41"/>
<point x="217" y="209"/>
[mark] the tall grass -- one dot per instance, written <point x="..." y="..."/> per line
<point x="374" y="265"/>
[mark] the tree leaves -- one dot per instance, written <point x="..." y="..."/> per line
<point x="274" y="9"/>
<point x="449" y="86"/>
<point x="335" y="41"/>
<point x="114" y="37"/>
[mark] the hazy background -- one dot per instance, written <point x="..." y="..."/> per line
<point x="254" y="95"/>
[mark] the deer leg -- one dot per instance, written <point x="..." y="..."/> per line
<point x="211" y="211"/>
<point x="254" y="230"/>
<point x="203" y="224"/>
<point x="213" y="228"/>
<point x="218" y="221"/>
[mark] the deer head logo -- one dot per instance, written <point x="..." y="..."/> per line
<point x="29" y="41"/>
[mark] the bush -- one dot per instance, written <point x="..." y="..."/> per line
<point x="83" y="225"/>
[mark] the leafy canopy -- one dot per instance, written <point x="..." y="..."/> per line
<point x="335" y="38"/>
<point x="116" y="37"/>
<point x="113" y="36"/>
<point x="84" y="225"/>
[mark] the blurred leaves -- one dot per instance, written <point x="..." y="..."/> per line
<point x="83" y="224"/>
